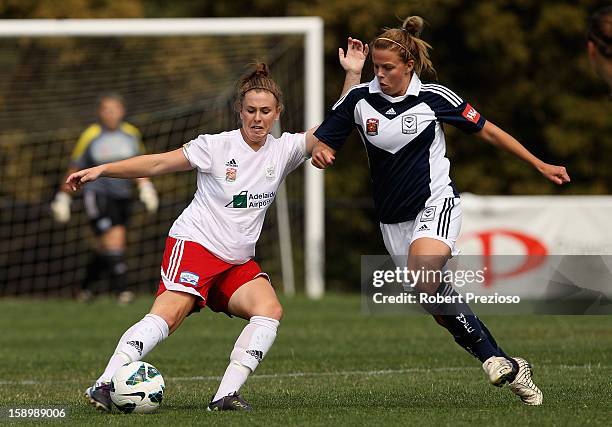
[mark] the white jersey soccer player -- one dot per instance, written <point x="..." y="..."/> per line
<point x="208" y="259"/>
<point x="236" y="185"/>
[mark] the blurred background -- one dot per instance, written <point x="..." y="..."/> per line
<point x="522" y="64"/>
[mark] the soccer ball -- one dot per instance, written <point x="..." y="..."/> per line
<point x="137" y="387"/>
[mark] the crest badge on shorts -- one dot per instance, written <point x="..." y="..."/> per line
<point x="428" y="214"/>
<point x="409" y="124"/>
<point x="189" y="278"/>
<point x="372" y="127"/>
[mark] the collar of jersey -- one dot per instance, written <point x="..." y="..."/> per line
<point x="413" y="89"/>
<point x="247" y="147"/>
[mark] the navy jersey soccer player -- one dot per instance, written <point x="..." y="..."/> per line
<point x="400" y="120"/>
<point x="404" y="139"/>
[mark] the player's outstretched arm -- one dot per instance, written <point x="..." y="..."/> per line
<point x="498" y="137"/>
<point x="322" y="155"/>
<point x="135" y="167"/>
<point x="352" y="62"/>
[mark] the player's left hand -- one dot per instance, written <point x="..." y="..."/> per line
<point x="556" y="174"/>
<point x="356" y="54"/>
<point x="148" y="196"/>
<point x="322" y="155"/>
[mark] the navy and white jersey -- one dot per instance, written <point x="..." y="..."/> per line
<point x="404" y="140"/>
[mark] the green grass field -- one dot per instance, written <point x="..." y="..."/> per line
<point x="331" y="365"/>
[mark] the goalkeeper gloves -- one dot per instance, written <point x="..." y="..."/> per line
<point x="60" y="207"/>
<point x="148" y="196"/>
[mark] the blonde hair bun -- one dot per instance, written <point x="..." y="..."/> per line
<point x="413" y="25"/>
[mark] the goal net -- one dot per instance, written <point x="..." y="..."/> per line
<point x="178" y="83"/>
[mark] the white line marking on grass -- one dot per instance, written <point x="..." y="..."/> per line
<point x="332" y="374"/>
<point x="325" y="374"/>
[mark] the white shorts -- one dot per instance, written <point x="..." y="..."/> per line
<point x="440" y="220"/>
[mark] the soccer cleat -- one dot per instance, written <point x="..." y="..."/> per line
<point x="523" y="386"/>
<point x="498" y="369"/>
<point x="99" y="396"/>
<point x="232" y="402"/>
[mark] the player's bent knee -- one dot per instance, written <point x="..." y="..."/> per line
<point x="270" y="309"/>
<point x="276" y="311"/>
<point x="173" y="307"/>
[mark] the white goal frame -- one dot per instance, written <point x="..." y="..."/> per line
<point x="310" y="27"/>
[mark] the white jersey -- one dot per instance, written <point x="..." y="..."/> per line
<point x="236" y="185"/>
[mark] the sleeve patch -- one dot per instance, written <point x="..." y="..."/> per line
<point x="470" y="113"/>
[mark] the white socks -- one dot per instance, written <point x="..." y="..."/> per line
<point x="251" y="347"/>
<point x="135" y="343"/>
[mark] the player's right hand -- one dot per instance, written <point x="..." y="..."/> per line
<point x="60" y="207"/>
<point x="76" y="180"/>
<point x="322" y="155"/>
<point x="557" y="174"/>
<point x="356" y="54"/>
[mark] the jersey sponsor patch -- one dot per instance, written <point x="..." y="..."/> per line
<point x="409" y="124"/>
<point x="244" y="200"/>
<point x="372" y="127"/>
<point x="189" y="278"/>
<point x="239" y="200"/>
<point x="470" y="113"/>
<point x="428" y="214"/>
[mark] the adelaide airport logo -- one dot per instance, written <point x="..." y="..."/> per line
<point x="239" y="200"/>
<point x="244" y="200"/>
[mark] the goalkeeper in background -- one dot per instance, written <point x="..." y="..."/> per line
<point x="108" y="201"/>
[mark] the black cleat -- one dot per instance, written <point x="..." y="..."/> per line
<point x="99" y="396"/>
<point x="232" y="402"/>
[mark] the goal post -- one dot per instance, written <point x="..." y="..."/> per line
<point x="312" y="30"/>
